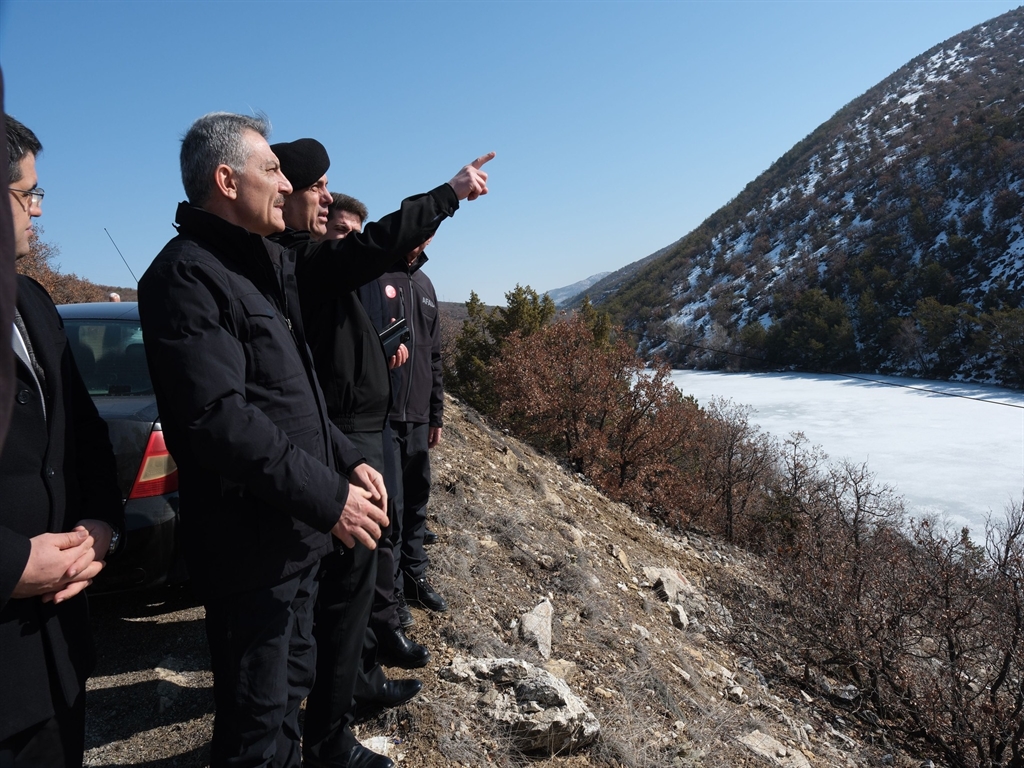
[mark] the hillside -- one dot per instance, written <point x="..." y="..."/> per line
<point x="667" y="682"/>
<point x="517" y="529"/>
<point x="889" y="240"/>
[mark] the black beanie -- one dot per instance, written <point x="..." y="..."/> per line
<point x="303" y="161"/>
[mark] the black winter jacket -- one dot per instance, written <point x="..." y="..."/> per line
<point x="261" y="468"/>
<point x="54" y="471"/>
<point x="347" y="352"/>
<point x="419" y="392"/>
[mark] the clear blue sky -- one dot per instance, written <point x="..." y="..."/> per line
<point x="619" y="126"/>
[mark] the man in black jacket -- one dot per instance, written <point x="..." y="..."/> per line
<point x="353" y="373"/>
<point x="7" y="291"/>
<point x="265" y="478"/>
<point x="416" y="419"/>
<point x="56" y="468"/>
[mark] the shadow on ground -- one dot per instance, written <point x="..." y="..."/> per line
<point x="150" y="698"/>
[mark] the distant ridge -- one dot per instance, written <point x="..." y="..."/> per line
<point x="561" y="295"/>
<point x="890" y="239"/>
<point x="607" y="285"/>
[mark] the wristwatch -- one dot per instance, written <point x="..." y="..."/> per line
<point x="115" y="541"/>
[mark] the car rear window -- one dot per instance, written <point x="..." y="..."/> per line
<point x="110" y="356"/>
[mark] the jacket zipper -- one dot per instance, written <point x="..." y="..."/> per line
<point x="412" y="346"/>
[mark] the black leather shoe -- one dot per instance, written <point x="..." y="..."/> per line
<point x="404" y="614"/>
<point x="361" y="757"/>
<point x="429" y="537"/>
<point x="421" y="593"/>
<point x="396" y="650"/>
<point x="394" y="693"/>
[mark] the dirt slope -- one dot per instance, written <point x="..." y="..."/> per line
<point x="514" y="529"/>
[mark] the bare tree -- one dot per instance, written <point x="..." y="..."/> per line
<point x="736" y="461"/>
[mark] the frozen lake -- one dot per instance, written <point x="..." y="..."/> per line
<point x="956" y="449"/>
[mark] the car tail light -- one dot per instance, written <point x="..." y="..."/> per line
<point x="158" y="474"/>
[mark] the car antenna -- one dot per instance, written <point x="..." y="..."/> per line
<point x="122" y="256"/>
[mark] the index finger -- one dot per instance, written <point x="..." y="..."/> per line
<point x="483" y="159"/>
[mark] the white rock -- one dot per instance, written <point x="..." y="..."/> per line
<point x="539" y="711"/>
<point x="535" y="627"/>
<point x="669" y="583"/>
<point x="378" y="744"/>
<point x="736" y="694"/>
<point x="773" y="751"/>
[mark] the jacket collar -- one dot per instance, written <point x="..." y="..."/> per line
<point x="416" y="265"/>
<point x="230" y="241"/>
<point x="291" y="238"/>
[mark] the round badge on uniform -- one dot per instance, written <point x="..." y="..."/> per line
<point x="390" y="292"/>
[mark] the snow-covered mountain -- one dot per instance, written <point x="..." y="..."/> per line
<point x="890" y="239"/>
<point x="560" y="295"/>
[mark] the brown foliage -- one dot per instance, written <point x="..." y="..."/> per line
<point x="596" y="405"/>
<point x="40" y="265"/>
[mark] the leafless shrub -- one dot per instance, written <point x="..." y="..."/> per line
<point x="508" y="527"/>
<point x="926" y="625"/>
<point x="734" y="465"/>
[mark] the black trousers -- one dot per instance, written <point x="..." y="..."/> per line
<point x="385" y="606"/>
<point x="378" y="448"/>
<point x="346" y="647"/>
<point x="411" y="556"/>
<point x="263" y="659"/>
<point x="342" y="615"/>
<point x="55" y="743"/>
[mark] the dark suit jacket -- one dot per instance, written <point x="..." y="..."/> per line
<point x="54" y="471"/>
<point x="6" y="287"/>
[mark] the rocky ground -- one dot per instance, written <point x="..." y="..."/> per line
<point x="622" y="643"/>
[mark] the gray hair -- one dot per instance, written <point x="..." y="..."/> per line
<point x="212" y="140"/>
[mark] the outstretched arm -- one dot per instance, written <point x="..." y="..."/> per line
<point x="329" y="269"/>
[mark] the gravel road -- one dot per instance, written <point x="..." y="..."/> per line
<point x="150" y="700"/>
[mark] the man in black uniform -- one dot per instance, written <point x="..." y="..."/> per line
<point x="353" y="372"/>
<point x="345" y="216"/>
<point x="56" y="468"/>
<point x="416" y="418"/>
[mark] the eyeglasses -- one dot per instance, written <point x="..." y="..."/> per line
<point x="34" y="195"/>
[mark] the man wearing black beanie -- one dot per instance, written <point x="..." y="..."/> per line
<point x="353" y="374"/>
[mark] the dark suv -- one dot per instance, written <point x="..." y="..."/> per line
<point x="106" y="341"/>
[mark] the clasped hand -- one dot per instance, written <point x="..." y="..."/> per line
<point x="364" y="515"/>
<point x="60" y="565"/>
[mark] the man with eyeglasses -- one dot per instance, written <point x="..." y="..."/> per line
<point x="56" y="468"/>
